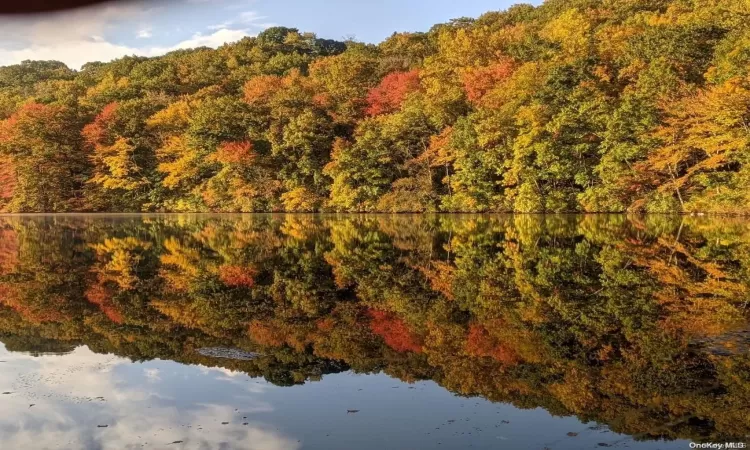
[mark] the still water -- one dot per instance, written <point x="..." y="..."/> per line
<point x="373" y="332"/>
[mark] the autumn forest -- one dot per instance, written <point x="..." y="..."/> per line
<point x="572" y="106"/>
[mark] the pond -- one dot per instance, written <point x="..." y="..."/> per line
<point x="373" y="332"/>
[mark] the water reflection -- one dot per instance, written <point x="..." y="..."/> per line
<point x="637" y="323"/>
<point x="128" y="407"/>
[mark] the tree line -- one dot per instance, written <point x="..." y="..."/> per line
<point x="571" y="106"/>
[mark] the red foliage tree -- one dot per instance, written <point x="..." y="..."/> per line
<point x="8" y="179"/>
<point x="479" y="81"/>
<point x="481" y="343"/>
<point x="97" y="132"/>
<point x="259" y="90"/>
<point x="266" y="334"/>
<point x="9" y="247"/>
<point x="390" y="94"/>
<point x="394" y="332"/>
<point x="236" y="276"/>
<point x="49" y="310"/>
<point x="235" y="153"/>
<point x="100" y="296"/>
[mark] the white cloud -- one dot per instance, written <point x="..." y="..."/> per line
<point x="74" y="37"/>
<point x="152" y="375"/>
<point x="77" y="52"/>
<point x="73" y="53"/>
<point x="213" y="40"/>
<point x="144" y="33"/>
<point x="82" y="36"/>
<point x="75" y="393"/>
<point x="244" y="19"/>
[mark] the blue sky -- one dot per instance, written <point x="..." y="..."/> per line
<point x="156" y="27"/>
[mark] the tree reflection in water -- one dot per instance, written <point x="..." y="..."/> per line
<point x="637" y="322"/>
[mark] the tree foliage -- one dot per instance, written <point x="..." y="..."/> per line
<point x="571" y="106"/>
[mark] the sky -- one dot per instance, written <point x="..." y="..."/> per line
<point x="151" y="28"/>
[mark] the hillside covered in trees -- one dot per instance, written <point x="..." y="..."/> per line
<point x="575" y="105"/>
